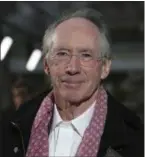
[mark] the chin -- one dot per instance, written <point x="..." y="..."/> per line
<point x="72" y="96"/>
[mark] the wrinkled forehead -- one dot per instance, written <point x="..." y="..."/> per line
<point x="76" y="31"/>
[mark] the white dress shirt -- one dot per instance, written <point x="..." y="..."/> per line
<point x="66" y="136"/>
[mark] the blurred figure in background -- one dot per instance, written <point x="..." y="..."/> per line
<point x="20" y="92"/>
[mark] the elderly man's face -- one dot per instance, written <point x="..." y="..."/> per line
<point x="74" y="71"/>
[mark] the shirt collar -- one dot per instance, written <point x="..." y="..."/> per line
<point x="79" y="124"/>
<point x="82" y="122"/>
<point x="56" y="118"/>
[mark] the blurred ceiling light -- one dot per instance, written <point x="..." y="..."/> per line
<point x="33" y="60"/>
<point x="5" y="46"/>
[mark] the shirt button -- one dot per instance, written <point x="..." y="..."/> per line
<point x="16" y="149"/>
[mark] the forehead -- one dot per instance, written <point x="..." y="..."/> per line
<point x="76" y="31"/>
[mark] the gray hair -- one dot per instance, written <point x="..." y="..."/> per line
<point x="87" y="13"/>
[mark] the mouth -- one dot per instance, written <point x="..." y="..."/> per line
<point x="71" y="84"/>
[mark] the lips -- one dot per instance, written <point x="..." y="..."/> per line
<point x="71" y="84"/>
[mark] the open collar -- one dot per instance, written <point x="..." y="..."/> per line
<point x="79" y="124"/>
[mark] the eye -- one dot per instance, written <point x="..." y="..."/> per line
<point x="62" y="53"/>
<point x="86" y="55"/>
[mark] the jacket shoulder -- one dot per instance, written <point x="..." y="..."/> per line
<point x="131" y="126"/>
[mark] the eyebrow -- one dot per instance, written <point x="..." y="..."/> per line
<point x="85" y="50"/>
<point x="61" y="48"/>
<point x="78" y="49"/>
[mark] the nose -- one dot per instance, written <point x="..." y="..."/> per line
<point x="73" y="67"/>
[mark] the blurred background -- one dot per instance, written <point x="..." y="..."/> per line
<point x="22" y="25"/>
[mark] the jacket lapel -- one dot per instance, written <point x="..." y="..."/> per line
<point x="114" y="138"/>
<point x="24" y="117"/>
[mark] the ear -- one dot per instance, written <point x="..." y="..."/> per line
<point x="46" y="66"/>
<point x="106" y="66"/>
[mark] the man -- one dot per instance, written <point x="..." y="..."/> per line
<point x="20" y="92"/>
<point x="78" y="117"/>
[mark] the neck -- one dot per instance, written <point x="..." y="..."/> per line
<point x="69" y="111"/>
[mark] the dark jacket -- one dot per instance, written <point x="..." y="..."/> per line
<point x="123" y="132"/>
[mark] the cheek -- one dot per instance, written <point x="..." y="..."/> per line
<point x="94" y="75"/>
<point x="55" y="72"/>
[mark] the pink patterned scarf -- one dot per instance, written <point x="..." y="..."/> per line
<point x="38" y="144"/>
